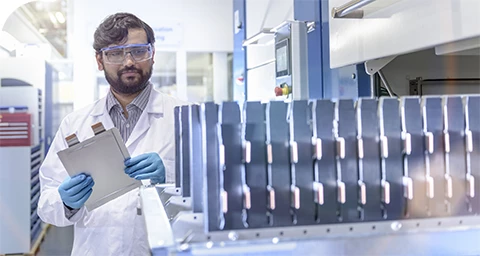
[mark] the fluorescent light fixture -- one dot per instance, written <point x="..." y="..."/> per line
<point x="52" y="18"/>
<point x="60" y="17"/>
<point x="7" y="41"/>
<point x="255" y="38"/>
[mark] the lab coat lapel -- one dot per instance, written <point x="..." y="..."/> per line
<point x="100" y="114"/>
<point x="154" y="107"/>
<point x="143" y="124"/>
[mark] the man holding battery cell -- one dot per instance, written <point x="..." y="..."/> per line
<point x="124" y="50"/>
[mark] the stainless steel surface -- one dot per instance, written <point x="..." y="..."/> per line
<point x="350" y="9"/>
<point x="426" y="236"/>
<point x="167" y="192"/>
<point x="177" y="204"/>
<point x="156" y="220"/>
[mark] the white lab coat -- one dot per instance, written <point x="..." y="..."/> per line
<point x="114" y="228"/>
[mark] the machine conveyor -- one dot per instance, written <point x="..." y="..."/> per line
<point x="339" y="178"/>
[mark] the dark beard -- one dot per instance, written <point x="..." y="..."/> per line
<point x="120" y="87"/>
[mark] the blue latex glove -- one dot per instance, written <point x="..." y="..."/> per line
<point x="75" y="190"/>
<point x="146" y="166"/>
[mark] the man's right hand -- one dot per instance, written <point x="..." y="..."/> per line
<point x="75" y="190"/>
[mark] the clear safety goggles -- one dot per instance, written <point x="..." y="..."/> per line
<point x="117" y="54"/>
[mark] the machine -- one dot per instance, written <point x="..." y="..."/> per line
<point x="21" y="155"/>
<point x="291" y="59"/>
<point x="372" y="176"/>
<point x="366" y="176"/>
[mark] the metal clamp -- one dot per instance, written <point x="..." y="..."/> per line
<point x="341" y="192"/>
<point x="448" y="186"/>
<point x="363" y="192"/>
<point x="429" y="142"/>
<point x="360" y="148"/>
<point x="295" y="197"/>
<point x="430" y="187"/>
<point x="407" y="143"/>
<point x="447" y="142"/>
<point x="247" y="203"/>
<point x="224" y="197"/>
<point x="386" y="191"/>
<point x="271" y="198"/>
<point x="341" y="147"/>
<point x="269" y="154"/>
<point x="469" y="141"/>
<point x="294" y="152"/>
<point x="319" y="193"/>
<point x="470" y="186"/>
<point x="384" y="146"/>
<point x="247" y="151"/>
<point x="408" y="187"/>
<point x="317" y="147"/>
<point x="351" y="9"/>
<point x="221" y="154"/>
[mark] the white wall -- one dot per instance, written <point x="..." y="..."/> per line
<point x="267" y="14"/>
<point x="220" y="77"/>
<point x="207" y="27"/>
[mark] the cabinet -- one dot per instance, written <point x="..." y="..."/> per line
<point x="19" y="194"/>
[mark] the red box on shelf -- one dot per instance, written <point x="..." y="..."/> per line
<point x="15" y="129"/>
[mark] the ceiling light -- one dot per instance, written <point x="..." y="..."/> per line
<point x="60" y="17"/>
<point x="52" y="18"/>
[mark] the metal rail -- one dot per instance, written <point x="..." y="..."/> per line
<point x="351" y="9"/>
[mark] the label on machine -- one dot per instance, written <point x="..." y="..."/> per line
<point x="15" y="129"/>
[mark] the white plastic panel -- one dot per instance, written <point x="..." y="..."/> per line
<point x="393" y="27"/>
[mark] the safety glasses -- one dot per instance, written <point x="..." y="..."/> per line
<point x="117" y="54"/>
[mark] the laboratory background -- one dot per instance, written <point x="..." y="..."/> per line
<point x="320" y="127"/>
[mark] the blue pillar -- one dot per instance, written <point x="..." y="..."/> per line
<point x="325" y="82"/>
<point x="309" y="10"/>
<point x="239" y="53"/>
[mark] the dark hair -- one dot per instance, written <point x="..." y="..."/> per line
<point x="114" y="30"/>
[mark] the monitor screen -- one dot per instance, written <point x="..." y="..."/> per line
<point x="282" y="59"/>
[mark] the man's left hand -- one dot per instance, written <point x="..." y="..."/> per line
<point x="146" y="166"/>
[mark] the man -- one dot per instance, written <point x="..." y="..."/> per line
<point x="124" y="47"/>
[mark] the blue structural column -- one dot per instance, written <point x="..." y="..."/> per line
<point x="48" y="121"/>
<point x="239" y="52"/>
<point x="325" y="82"/>
<point x="309" y="10"/>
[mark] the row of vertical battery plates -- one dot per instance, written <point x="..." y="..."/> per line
<point x="322" y="162"/>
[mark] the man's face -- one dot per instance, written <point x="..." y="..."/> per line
<point x="130" y="76"/>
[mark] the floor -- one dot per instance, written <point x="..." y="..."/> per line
<point x="57" y="242"/>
